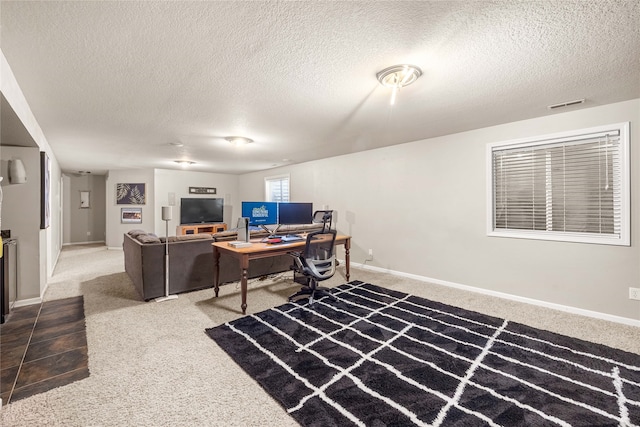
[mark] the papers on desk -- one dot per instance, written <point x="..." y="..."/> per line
<point x="239" y="244"/>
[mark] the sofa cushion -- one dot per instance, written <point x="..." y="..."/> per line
<point x="300" y="228"/>
<point x="148" y="238"/>
<point x="232" y="234"/>
<point x="201" y="236"/>
<point x="187" y="237"/>
<point x="229" y="233"/>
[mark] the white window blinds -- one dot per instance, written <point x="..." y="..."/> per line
<point x="277" y="188"/>
<point x="564" y="187"/>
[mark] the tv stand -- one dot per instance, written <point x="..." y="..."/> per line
<point x="210" y="228"/>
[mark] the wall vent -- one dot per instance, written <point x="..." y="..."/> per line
<point x="566" y="104"/>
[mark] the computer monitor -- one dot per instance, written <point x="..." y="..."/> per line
<point x="260" y="213"/>
<point x="295" y="213"/>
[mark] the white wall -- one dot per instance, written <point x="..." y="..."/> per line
<point x="177" y="183"/>
<point x="85" y="224"/>
<point x="114" y="228"/>
<point x="44" y="250"/>
<point x="21" y="215"/>
<point x="160" y="183"/>
<point x="421" y="207"/>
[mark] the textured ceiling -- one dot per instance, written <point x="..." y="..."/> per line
<point x="113" y="84"/>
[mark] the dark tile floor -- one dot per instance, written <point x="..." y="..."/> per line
<point x="42" y="346"/>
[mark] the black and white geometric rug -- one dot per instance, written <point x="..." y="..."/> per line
<point x="377" y="357"/>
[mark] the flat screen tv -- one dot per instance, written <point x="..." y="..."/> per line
<point x="260" y="213"/>
<point x="201" y="210"/>
<point x="295" y="213"/>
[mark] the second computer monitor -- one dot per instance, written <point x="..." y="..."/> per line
<point x="260" y="213"/>
<point x="295" y="213"/>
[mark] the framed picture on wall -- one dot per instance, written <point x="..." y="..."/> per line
<point x="45" y="190"/>
<point x="131" y="215"/>
<point x="130" y="194"/>
<point x="84" y="200"/>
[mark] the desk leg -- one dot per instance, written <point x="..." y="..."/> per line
<point x="216" y="270"/>
<point x="244" y="267"/>
<point x="347" y="257"/>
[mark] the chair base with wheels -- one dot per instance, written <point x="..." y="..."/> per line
<point x="310" y="290"/>
<point x="316" y="263"/>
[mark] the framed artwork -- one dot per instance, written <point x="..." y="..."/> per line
<point x="45" y="190"/>
<point x="130" y="194"/>
<point x="131" y="215"/>
<point x="84" y="200"/>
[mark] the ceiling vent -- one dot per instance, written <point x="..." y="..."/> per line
<point x="566" y="104"/>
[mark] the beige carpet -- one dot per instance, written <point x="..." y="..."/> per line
<point x="151" y="363"/>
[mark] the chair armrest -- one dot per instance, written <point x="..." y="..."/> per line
<point x="296" y="258"/>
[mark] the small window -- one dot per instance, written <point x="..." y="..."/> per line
<point x="570" y="187"/>
<point x="277" y="188"/>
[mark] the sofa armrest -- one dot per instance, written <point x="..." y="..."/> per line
<point x="133" y="261"/>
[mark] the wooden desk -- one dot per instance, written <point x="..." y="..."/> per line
<point x="262" y="250"/>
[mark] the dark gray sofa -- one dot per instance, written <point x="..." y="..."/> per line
<point x="191" y="261"/>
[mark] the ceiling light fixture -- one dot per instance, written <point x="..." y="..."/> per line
<point x="184" y="163"/>
<point x="239" y="140"/>
<point x="397" y="77"/>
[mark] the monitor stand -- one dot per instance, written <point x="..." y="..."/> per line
<point x="275" y="230"/>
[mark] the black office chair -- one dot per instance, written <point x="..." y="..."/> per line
<point x="325" y="218"/>
<point x="316" y="263"/>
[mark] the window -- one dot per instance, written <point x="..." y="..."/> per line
<point x="570" y="187"/>
<point x="277" y="188"/>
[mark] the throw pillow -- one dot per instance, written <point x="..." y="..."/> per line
<point x="136" y="233"/>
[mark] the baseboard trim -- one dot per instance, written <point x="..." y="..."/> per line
<point x="83" y="243"/>
<point x="25" y="302"/>
<point x="540" y="303"/>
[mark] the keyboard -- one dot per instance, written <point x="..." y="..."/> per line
<point x="292" y="238"/>
<point x="287" y="238"/>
